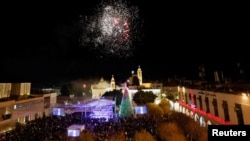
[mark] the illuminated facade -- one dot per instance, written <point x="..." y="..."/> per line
<point x="101" y="87"/>
<point x="215" y="107"/>
<point x="20" y="108"/>
<point x="139" y="75"/>
<point x="112" y="83"/>
<point x="136" y="79"/>
<point x="20" y="88"/>
<point x="5" y="89"/>
<point x="25" y="110"/>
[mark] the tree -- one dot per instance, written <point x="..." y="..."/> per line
<point x="116" y="95"/>
<point x="188" y="126"/>
<point x="85" y="136"/>
<point x="195" y="131"/>
<point x="155" y="112"/>
<point x="126" y="106"/>
<point x="144" y="97"/>
<point x="165" y="106"/>
<point x="170" y="132"/>
<point x="144" y="136"/>
<point x="203" y="136"/>
<point x="120" y="136"/>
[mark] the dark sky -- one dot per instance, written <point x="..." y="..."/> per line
<point x="40" y="41"/>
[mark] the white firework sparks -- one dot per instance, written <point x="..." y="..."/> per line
<point x="114" y="23"/>
<point x="113" y="29"/>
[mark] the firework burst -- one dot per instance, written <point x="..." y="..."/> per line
<point x="113" y="29"/>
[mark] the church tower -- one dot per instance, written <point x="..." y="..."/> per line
<point x="139" y="75"/>
<point x="112" y="83"/>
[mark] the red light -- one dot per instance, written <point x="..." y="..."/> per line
<point x="203" y="113"/>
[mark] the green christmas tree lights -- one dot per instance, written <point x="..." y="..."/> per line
<point x="126" y="106"/>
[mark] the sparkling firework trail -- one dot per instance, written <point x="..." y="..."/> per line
<point x="112" y="30"/>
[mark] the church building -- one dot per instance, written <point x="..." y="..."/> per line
<point x="134" y="82"/>
<point x="102" y="86"/>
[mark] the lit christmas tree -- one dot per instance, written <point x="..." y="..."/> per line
<point x="126" y="106"/>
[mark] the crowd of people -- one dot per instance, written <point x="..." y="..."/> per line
<point x="129" y="126"/>
<point x="55" y="127"/>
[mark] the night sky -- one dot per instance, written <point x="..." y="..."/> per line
<point x="41" y="41"/>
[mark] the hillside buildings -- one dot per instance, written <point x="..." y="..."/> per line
<point x="207" y="103"/>
<point x="18" y="105"/>
<point x="134" y="82"/>
<point x="215" y="104"/>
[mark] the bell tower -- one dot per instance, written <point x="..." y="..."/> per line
<point x="112" y="83"/>
<point x="139" y="75"/>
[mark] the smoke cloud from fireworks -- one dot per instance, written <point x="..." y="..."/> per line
<point x="113" y="29"/>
